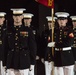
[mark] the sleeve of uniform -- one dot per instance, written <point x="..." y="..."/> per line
<point x="70" y="38"/>
<point x="32" y="47"/>
<point x="6" y="48"/>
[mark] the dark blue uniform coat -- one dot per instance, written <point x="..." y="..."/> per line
<point x="63" y="38"/>
<point x="22" y="47"/>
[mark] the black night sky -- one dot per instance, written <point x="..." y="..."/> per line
<point x="63" y="5"/>
<point x="34" y="7"/>
<point x="68" y="5"/>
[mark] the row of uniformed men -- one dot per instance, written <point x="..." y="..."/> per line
<point x="61" y="59"/>
<point x="63" y="44"/>
<point x="17" y="45"/>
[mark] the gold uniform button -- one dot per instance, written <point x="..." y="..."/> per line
<point x="60" y="35"/>
<point x="60" y="38"/>
<point x="60" y="30"/>
<point x="60" y="41"/>
<point x="12" y="49"/>
<point x="16" y="38"/>
<point x="16" y="29"/>
<point x="15" y="43"/>
<point x="25" y="54"/>
<point x="16" y="34"/>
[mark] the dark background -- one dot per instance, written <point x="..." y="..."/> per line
<point x="40" y="11"/>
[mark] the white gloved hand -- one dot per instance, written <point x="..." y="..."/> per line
<point x="42" y="60"/>
<point x="31" y="67"/>
<point x="37" y="57"/>
<point x="51" y="44"/>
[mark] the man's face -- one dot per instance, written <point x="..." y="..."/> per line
<point x="62" y="22"/>
<point x="27" y="21"/>
<point x="2" y="20"/>
<point x="18" y="19"/>
<point x="50" y="24"/>
<point x="74" y="24"/>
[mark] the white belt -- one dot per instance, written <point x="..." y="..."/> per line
<point x="63" y="49"/>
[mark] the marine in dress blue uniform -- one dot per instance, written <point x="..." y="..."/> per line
<point x="47" y="37"/>
<point x="73" y="18"/>
<point x="2" y="42"/>
<point x="22" y="45"/>
<point x="27" y="23"/>
<point x="63" y="57"/>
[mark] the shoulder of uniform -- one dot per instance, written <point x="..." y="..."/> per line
<point x="67" y="28"/>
